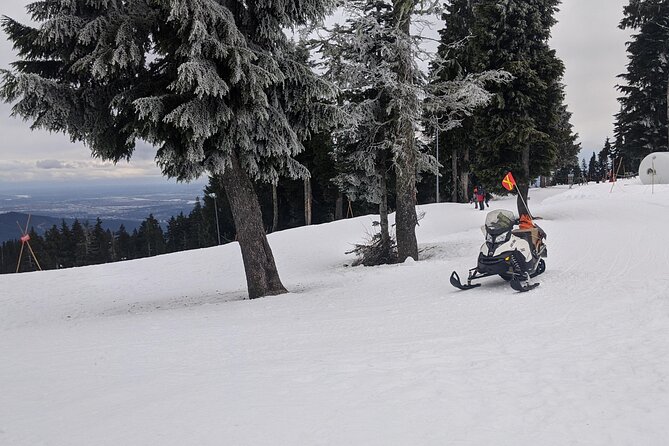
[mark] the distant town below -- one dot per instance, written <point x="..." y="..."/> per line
<point x="115" y="204"/>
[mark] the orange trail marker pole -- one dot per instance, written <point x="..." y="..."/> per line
<point x="25" y="240"/>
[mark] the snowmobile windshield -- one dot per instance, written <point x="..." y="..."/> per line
<point x="499" y="221"/>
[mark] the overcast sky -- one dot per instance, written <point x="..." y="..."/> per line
<point x="586" y="38"/>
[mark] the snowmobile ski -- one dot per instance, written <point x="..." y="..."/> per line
<point x="455" y="281"/>
<point x="522" y="286"/>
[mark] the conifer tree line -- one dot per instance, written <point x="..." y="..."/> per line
<point x="219" y="89"/>
<point x="83" y="244"/>
<point x="641" y="125"/>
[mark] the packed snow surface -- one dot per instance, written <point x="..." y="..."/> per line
<point x="167" y="350"/>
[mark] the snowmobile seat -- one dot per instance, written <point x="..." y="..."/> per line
<point x="530" y="235"/>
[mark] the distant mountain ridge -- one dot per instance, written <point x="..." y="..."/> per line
<point x="9" y="230"/>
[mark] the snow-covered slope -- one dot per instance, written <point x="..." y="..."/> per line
<point x="166" y="351"/>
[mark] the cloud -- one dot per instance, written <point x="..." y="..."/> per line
<point x="53" y="164"/>
<point x="14" y="171"/>
<point x="588" y="40"/>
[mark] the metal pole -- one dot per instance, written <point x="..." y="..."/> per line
<point x="615" y="175"/>
<point x="437" y="194"/>
<point x="218" y="228"/>
<point x="653" y="176"/>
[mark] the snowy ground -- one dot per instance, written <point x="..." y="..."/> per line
<point x="165" y="351"/>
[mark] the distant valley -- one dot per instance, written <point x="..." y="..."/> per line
<point x="113" y="204"/>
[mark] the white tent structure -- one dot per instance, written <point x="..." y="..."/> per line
<point x="654" y="169"/>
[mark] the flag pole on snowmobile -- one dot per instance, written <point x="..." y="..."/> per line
<point x="509" y="184"/>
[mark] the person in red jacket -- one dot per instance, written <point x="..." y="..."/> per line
<point x="480" y="197"/>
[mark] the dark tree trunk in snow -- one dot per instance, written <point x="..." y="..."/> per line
<point x="383" y="214"/>
<point x="275" y="208"/>
<point x="464" y="178"/>
<point x="262" y="277"/>
<point x="307" y="201"/>
<point x="339" y="207"/>
<point x="405" y="217"/>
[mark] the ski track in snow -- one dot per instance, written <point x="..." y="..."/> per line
<point x="167" y="351"/>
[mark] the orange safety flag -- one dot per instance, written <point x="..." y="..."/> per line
<point x="25" y="238"/>
<point x="508" y="182"/>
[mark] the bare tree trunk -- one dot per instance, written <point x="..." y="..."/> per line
<point x="262" y="277"/>
<point x="405" y="217"/>
<point x="524" y="184"/>
<point x="405" y="164"/>
<point x="308" y="199"/>
<point x="464" y="178"/>
<point x="339" y="207"/>
<point x="383" y="213"/>
<point x="454" y="167"/>
<point x="275" y="208"/>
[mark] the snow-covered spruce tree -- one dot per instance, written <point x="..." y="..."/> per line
<point x="373" y="58"/>
<point x="363" y="145"/>
<point x="641" y="125"/>
<point x="212" y="83"/>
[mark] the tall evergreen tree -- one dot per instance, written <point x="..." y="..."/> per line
<point x="124" y="244"/>
<point x="79" y="242"/>
<point x="214" y="84"/>
<point x="52" y="246"/>
<point x="67" y="246"/>
<point x="150" y="240"/>
<point x="603" y="159"/>
<point x="517" y="131"/>
<point x="593" y="170"/>
<point x="177" y="233"/>
<point x="641" y="125"/>
<point x="99" y="251"/>
<point x="199" y="234"/>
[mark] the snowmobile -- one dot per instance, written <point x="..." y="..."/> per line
<point x="515" y="255"/>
